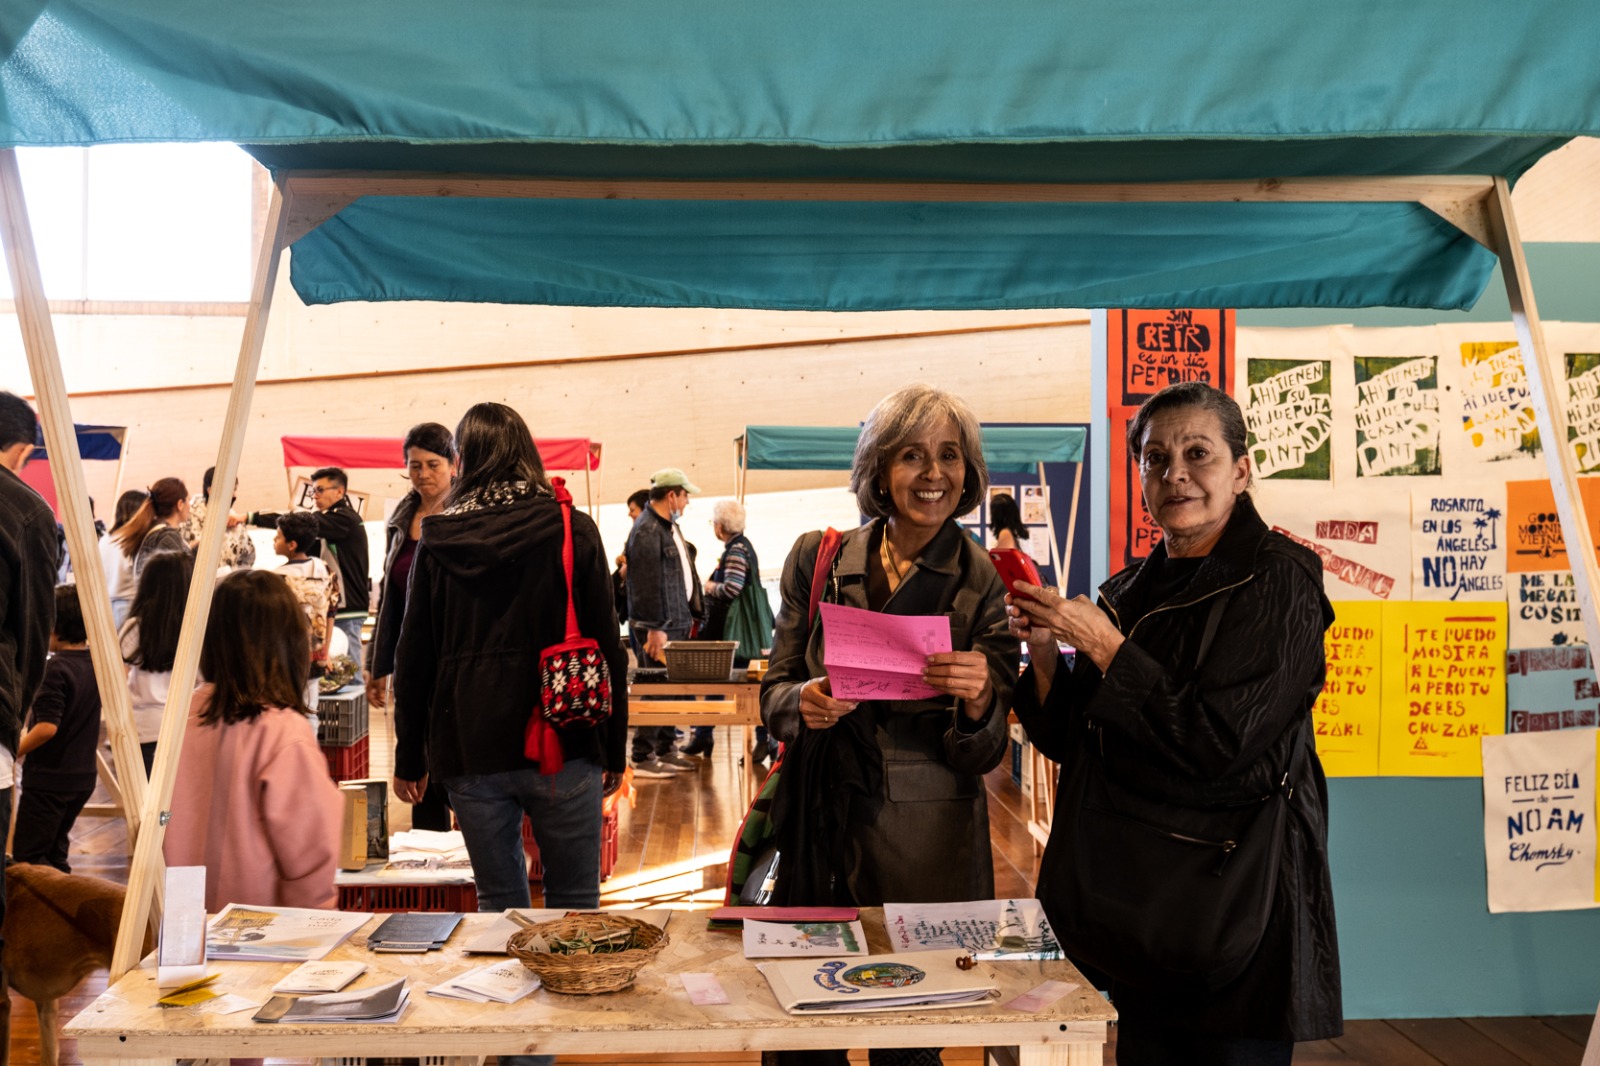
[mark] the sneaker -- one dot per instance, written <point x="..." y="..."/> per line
<point x="652" y="768"/>
<point x="678" y="761"/>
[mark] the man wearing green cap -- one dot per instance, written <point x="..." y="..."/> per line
<point x="664" y="600"/>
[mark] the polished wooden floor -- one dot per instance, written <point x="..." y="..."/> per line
<point x="674" y="844"/>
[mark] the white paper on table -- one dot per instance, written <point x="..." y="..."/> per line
<point x="279" y="934"/>
<point x="500" y="982"/>
<point x="988" y="928"/>
<point x="777" y="940"/>
<point x="875" y="656"/>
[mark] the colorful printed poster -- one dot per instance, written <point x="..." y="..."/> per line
<point x="1444" y="687"/>
<point x="1365" y="550"/>
<point x="1133" y="532"/>
<point x="1456" y="544"/>
<point x="1544" y="611"/>
<point x="1397" y="416"/>
<point x="1539" y="821"/>
<point x="1551" y="688"/>
<point x="1346" y="715"/>
<point x="1149" y="350"/>
<point x="1289" y="418"/>
<point x="1496" y="407"/>
<point x="1533" y="528"/>
<point x="1583" y="410"/>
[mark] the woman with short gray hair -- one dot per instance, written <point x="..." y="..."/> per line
<point x="883" y="799"/>
<point x="736" y="609"/>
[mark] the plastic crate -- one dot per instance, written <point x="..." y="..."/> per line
<point x="347" y="761"/>
<point x="388" y="899"/>
<point x="608" y="847"/>
<point x="341" y="718"/>
<point x="700" y="660"/>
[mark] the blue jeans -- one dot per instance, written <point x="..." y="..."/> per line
<point x="564" y="808"/>
<point x="351" y="628"/>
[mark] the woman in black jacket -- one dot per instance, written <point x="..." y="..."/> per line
<point x="488" y="595"/>
<point x="1199" y="721"/>
<point x="430" y="457"/>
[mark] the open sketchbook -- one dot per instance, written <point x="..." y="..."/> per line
<point x="278" y="934"/>
<point x="924" y="981"/>
<point x="991" y="929"/>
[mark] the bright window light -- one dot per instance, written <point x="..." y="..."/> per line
<point x="147" y="222"/>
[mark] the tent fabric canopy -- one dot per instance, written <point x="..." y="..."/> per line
<point x="385" y="453"/>
<point x="1006" y="449"/>
<point x="1139" y="90"/>
<point x="94" y="442"/>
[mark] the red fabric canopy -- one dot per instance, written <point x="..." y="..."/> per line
<point x="386" y="453"/>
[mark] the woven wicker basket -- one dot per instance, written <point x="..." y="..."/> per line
<point x="699" y="660"/>
<point x="582" y="975"/>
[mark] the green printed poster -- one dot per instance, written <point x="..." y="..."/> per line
<point x="1583" y="410"/>
<point x="1397" y="416"/>
<point x="1289" y="415"/>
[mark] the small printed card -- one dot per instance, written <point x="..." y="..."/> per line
<point x="704" y="989"/>
<point x="320" y="976"/>
<point x="774" y="940"/>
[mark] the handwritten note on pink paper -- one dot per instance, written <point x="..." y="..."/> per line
<point x="873" y="656"/>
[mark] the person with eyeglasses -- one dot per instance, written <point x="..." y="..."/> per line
<point x="344" y="539"/>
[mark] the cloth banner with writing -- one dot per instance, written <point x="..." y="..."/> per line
<point x="1539" y="820"/>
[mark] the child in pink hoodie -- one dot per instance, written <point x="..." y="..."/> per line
<point x="253" y="802"/>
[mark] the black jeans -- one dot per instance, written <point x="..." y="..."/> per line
<point x="44" y="820"/>
<point x="1142" y="1045"/>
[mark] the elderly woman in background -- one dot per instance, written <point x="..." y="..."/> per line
<point x="238" y="550"/>
<point x="1190" y="723"/>
<point x="883" y="800"/>
<point x="430" y="457"/>
<point x="736" y="608"/>
<point x="156" y="526"/>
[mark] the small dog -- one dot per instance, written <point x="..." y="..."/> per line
<point x="59" y="928"/>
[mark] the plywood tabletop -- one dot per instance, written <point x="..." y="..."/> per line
<point x="654" y="1016"/>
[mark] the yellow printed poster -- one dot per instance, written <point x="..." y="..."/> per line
<point x="1347" y="713"/>
<point x="1444" y="687"/>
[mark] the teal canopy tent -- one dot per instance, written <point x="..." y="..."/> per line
<point x="1006" y="449"/>
<point x="833" y="155"/>
<point x="847" y="157"/>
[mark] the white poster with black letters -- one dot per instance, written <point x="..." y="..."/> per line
<point x="1538" y="820"/>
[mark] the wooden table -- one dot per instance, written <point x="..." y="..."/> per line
<point x="654" y="1017"/>
<point x="688" y="703"/>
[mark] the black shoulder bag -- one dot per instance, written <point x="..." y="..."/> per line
<point x="1157" y="895"/>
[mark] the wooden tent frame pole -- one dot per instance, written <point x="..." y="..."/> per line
<point x="1547" y="383"/>
<point x="146" y="872"/>
<point x="61" y="441"/>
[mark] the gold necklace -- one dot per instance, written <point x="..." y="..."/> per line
<point x="893" y="569"/>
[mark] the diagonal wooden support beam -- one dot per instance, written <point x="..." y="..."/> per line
<point x="145" y="875"/>
<point x="1547" y="382"/>
<point x="55" y="415"/>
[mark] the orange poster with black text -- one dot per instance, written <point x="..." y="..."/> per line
<point x="1536" y="543"/>
<point x="1149" y="350"/>
<point x="1444" y="686"/>
<point x="1133" y="532"/>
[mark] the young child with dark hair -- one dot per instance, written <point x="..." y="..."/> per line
<point x="253" y="802"/>
<point x="58" y="746"/>
<point x="313" y="584"/>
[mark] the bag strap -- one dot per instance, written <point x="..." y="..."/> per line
<point x="558" y="485"/>
<point x="827" y="554"/>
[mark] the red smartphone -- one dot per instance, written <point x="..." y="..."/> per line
<point x="1014" y="566"/>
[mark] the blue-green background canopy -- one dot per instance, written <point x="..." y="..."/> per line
<point x="1006" y="449"/>
<point x="1037" y="90"/>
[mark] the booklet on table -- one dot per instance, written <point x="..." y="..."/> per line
<point x="926" y="981"/>
<point x="505" y="981"/>
<point x="772" y="940"/>
<point x="992" y="930"/>
<point x="278" y="934"/>
<point x="317" y="977"/>
<point x="384" y="1003"/>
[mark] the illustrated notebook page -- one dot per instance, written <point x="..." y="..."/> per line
<point x="874" y="656"/>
